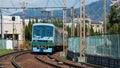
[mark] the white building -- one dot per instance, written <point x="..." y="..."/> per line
<point x="115" y="2"/>
<point x="8" y="25"/>
<point x="76" y="21"/>
<point x="97" y="26"/>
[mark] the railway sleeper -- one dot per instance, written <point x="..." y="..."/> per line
<point x="53" y="59"/>
<point x="60" y="63"/>
<point x="57" y="60"/>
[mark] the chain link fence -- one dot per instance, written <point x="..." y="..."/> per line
<point x="103" y="45"/>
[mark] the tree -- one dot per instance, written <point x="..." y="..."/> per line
<point x="69" y="31"/>
<point x="114" y="20"/>
<point x="33" y="21"/>
<point x="114" y="29"/>
<point x="58" y="23"/>
<point x="92" y="31"/>
<point x="113" y="16"/>
<point x="36" y="20"/>
<point x="28" y="29"/>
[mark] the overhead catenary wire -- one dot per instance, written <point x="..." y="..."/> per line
<point x="12" y="3"/>
<point x="58" y="3"/>
<point x="46" y="5"/>
<point x="75" y="3"/>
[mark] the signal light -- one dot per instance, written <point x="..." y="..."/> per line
<point x="13" y="18"/>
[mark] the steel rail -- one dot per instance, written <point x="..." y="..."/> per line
<point x="13" y="61"/>
<point x="42" y="60"/>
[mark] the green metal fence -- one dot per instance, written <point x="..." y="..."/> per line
<point x="103" y="45"/>
<point x="2" y="44"/>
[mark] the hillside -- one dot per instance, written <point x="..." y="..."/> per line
<point x="94" y="10"/>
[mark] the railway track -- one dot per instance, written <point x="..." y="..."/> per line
<point x="5" y="60"/>
<point x="74" y="64"/>
<point x="13" y="60"/>
<point x="52" y="62"/>
<point x="48" y="59"/>
<point x="16" y="60"/>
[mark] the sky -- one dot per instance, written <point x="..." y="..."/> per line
<point x="42" y="3"/>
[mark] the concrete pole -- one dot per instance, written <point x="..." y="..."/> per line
<point x="105" y="21"/>
<point x="2" y="34"/>
<point x="72" y="21"/>
<point x="23" y="17"/>
<point x="82" y="31"/>
<point x="64" y="21"/>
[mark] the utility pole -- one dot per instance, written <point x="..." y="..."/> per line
<point x="82" y="32"/>
<point x="72" y="20"/>
<point x="23" y="18"/>
<point x="78" y="27"/>
<point x="2" y="34"/>
<point x="88" y="26"/>
<point x="64" y="27"/>
<point x="52" y="19"/>
<point x="105" y="17"/>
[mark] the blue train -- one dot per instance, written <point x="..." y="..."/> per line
<point x="46" y="37"/>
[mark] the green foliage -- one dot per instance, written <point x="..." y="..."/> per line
<point x="5" y="51"/>
<point x="108" y="26"/>
<point x="86" y="28"/>
<point x="114" y="29"/>
<point x="28" y="29"/>
<point x="64" y="58"/>
<point x="69" y="31"/>
<point x="33" y="21"/>
<point x="113" y="16"/>
<point x="36" y="20"/>
<point x="75" y="31"/>
<point x="92" y="31"/>
<point x="26" y="33"/>
<point x="58" y="23"/>
<point x="114" y="20"/>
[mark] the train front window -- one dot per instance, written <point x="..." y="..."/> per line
<point x="42" y="31"/>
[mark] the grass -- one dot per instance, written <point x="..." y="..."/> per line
<point x="64" y="58"/>
<point x="5" y="51"/>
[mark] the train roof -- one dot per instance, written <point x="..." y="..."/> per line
<point x="43" y="24"/>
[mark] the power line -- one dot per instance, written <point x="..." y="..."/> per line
<point x="60" y="2"/>
<point x="46" y="4"/>
<point x="29" y="7"/>
<point x="56" y="3"/>
<point x="12" y="3"/>
<point x="76" y="2"/>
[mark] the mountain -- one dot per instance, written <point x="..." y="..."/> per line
<point x="94" y="10"/>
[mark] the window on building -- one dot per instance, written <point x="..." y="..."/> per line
<point x="97" y="25"/>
